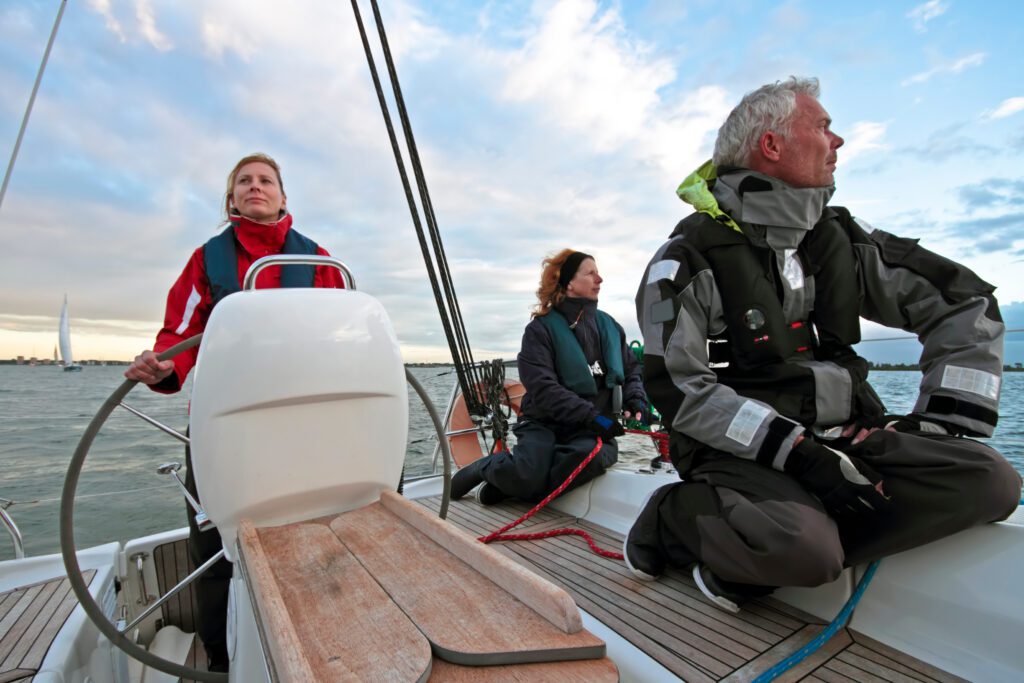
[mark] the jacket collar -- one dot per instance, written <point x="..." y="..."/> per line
<point x="261" y="238"/>
<point x="572" y="307"/>
<point x="758" y="199"/>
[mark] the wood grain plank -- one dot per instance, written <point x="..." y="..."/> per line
<point x="871" y="649"/>
<point x="24" y="630"/>
<point x="787" y="647"/>
<point x="831" y="676"/>
<point x="585" y="671"/>
<point x="551" y="602"/>
<point x="708" y="656"/>
<point x="44" y="639"/>
<point x="851" y="670"/>
<point x="37" y="613"/>
<point x="467" y="617"/>
<point x="742" y="634"/>
<point x="324" y="617"/>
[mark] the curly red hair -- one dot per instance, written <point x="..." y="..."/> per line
<point x="550" y="293"/>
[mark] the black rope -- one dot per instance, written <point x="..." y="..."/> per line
<point x="465" y="353"/>
<point x="455" y="345"/>
<point x="475" y="379"/>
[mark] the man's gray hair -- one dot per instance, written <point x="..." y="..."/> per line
<point x="769" y="108"/>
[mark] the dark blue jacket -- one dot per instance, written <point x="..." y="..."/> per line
<point x="553" y="404"/>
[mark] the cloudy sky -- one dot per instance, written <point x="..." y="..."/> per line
<point x="540" y="125"/>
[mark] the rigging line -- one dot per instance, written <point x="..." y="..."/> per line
<point x="427" y="203"/>
<point x="93" y="495"/>
<point x="878" y="339"/>
<point x="31" y="101"/>
<point x="413" y="210"/>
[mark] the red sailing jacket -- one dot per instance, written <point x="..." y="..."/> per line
<point x="189" y="302"/>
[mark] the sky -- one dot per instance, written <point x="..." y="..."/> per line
<point x="541" y="125"/>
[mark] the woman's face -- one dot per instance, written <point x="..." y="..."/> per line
<point x="586" y="283"/>
<point x="257" y="194"/>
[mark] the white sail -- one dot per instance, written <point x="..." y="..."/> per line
<point x="65" y="339"/>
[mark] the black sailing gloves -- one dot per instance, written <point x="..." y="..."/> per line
<point x="606" y="428"/>
<point x="844" y="485"/>
<point x="916" y="423"/>
<point x="639" y="413"/>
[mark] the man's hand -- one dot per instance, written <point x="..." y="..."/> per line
<point x="916" y="423"/>
<point x="846" y="486"/>
<point x="148" y="370"/>
<point x="606" y="428"/>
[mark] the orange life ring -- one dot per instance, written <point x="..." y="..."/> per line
<point x="467" y="446"/>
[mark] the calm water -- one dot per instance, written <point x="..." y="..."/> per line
<point x="43" y="412"/>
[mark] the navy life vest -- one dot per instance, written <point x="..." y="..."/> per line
<point x="570" y="363"/>
<point x="221" y="263"/>
<point x="758" y="355"/>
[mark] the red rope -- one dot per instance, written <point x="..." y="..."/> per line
<point x="660" y="440"/>
<point x="500" y="534"/>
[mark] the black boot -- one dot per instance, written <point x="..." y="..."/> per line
<point x="466" y="479"/>
<point x="489" y="494"/>
<point x="726" y="595"/>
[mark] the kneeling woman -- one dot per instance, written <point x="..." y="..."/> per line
<point x="572" y="359"/>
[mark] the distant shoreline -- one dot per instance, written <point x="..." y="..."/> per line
<point x="886" y="367"/>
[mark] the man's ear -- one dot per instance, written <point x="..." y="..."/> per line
<point x="770" y="146"/>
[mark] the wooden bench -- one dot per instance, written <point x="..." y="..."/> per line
<point x="390" y="592"/>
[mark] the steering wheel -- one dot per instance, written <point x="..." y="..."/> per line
<point x="68" y="548"/>
<point x="67" y="527"/>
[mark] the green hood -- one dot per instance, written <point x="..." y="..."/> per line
<point x="696" y="191"/>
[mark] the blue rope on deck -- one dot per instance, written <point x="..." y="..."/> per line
<point x="823" y="637"/>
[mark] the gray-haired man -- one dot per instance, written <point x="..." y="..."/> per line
<point x="792" y="469"/>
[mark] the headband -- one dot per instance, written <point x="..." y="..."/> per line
<point x="569" y="268"/>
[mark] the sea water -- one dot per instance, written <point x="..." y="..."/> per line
<point x="44" y="412"/>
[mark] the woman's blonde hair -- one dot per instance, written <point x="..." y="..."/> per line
<point x="550" y="293"/>
<point x="256" y="156"/>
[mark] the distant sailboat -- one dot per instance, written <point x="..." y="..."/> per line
<point x="65" y="340"/>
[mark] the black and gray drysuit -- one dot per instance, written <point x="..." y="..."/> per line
<point x="749" y="313"/>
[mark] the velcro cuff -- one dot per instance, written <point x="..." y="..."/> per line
<point x="948" y="405"/>
<point x="778" y="429"/>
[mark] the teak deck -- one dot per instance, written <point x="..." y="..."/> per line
<point x="674" y="623"/>
<point x="30" y="617"/>
<point x="387" y="591"/>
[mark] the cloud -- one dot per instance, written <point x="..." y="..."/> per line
<point x="922" y="14"/>
<point x="866" y="136"/>
<point x="946" y="143"/>
<point x="993" y="192"/>
<point x="145" y="23"/>
<point x="586" y="74"/>
<point x="147" y="26"/>
<point x="992" y="234"/>
<point x="103" y="8"/>
<point x="1007" y="107"/>
<point x="954" y="67"/>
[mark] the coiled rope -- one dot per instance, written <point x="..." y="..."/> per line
<point x="500" y="534"/>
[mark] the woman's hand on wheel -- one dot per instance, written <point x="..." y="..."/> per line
<point x="148" y="370"/>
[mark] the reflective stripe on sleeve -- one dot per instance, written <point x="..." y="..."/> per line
<point x="190" y="309"/>
<point x="973" y="381"/>
<point x="744" y="425"/>
<point x="662" y="270"/>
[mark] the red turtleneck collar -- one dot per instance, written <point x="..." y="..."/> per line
<point x="260" y="239"/>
